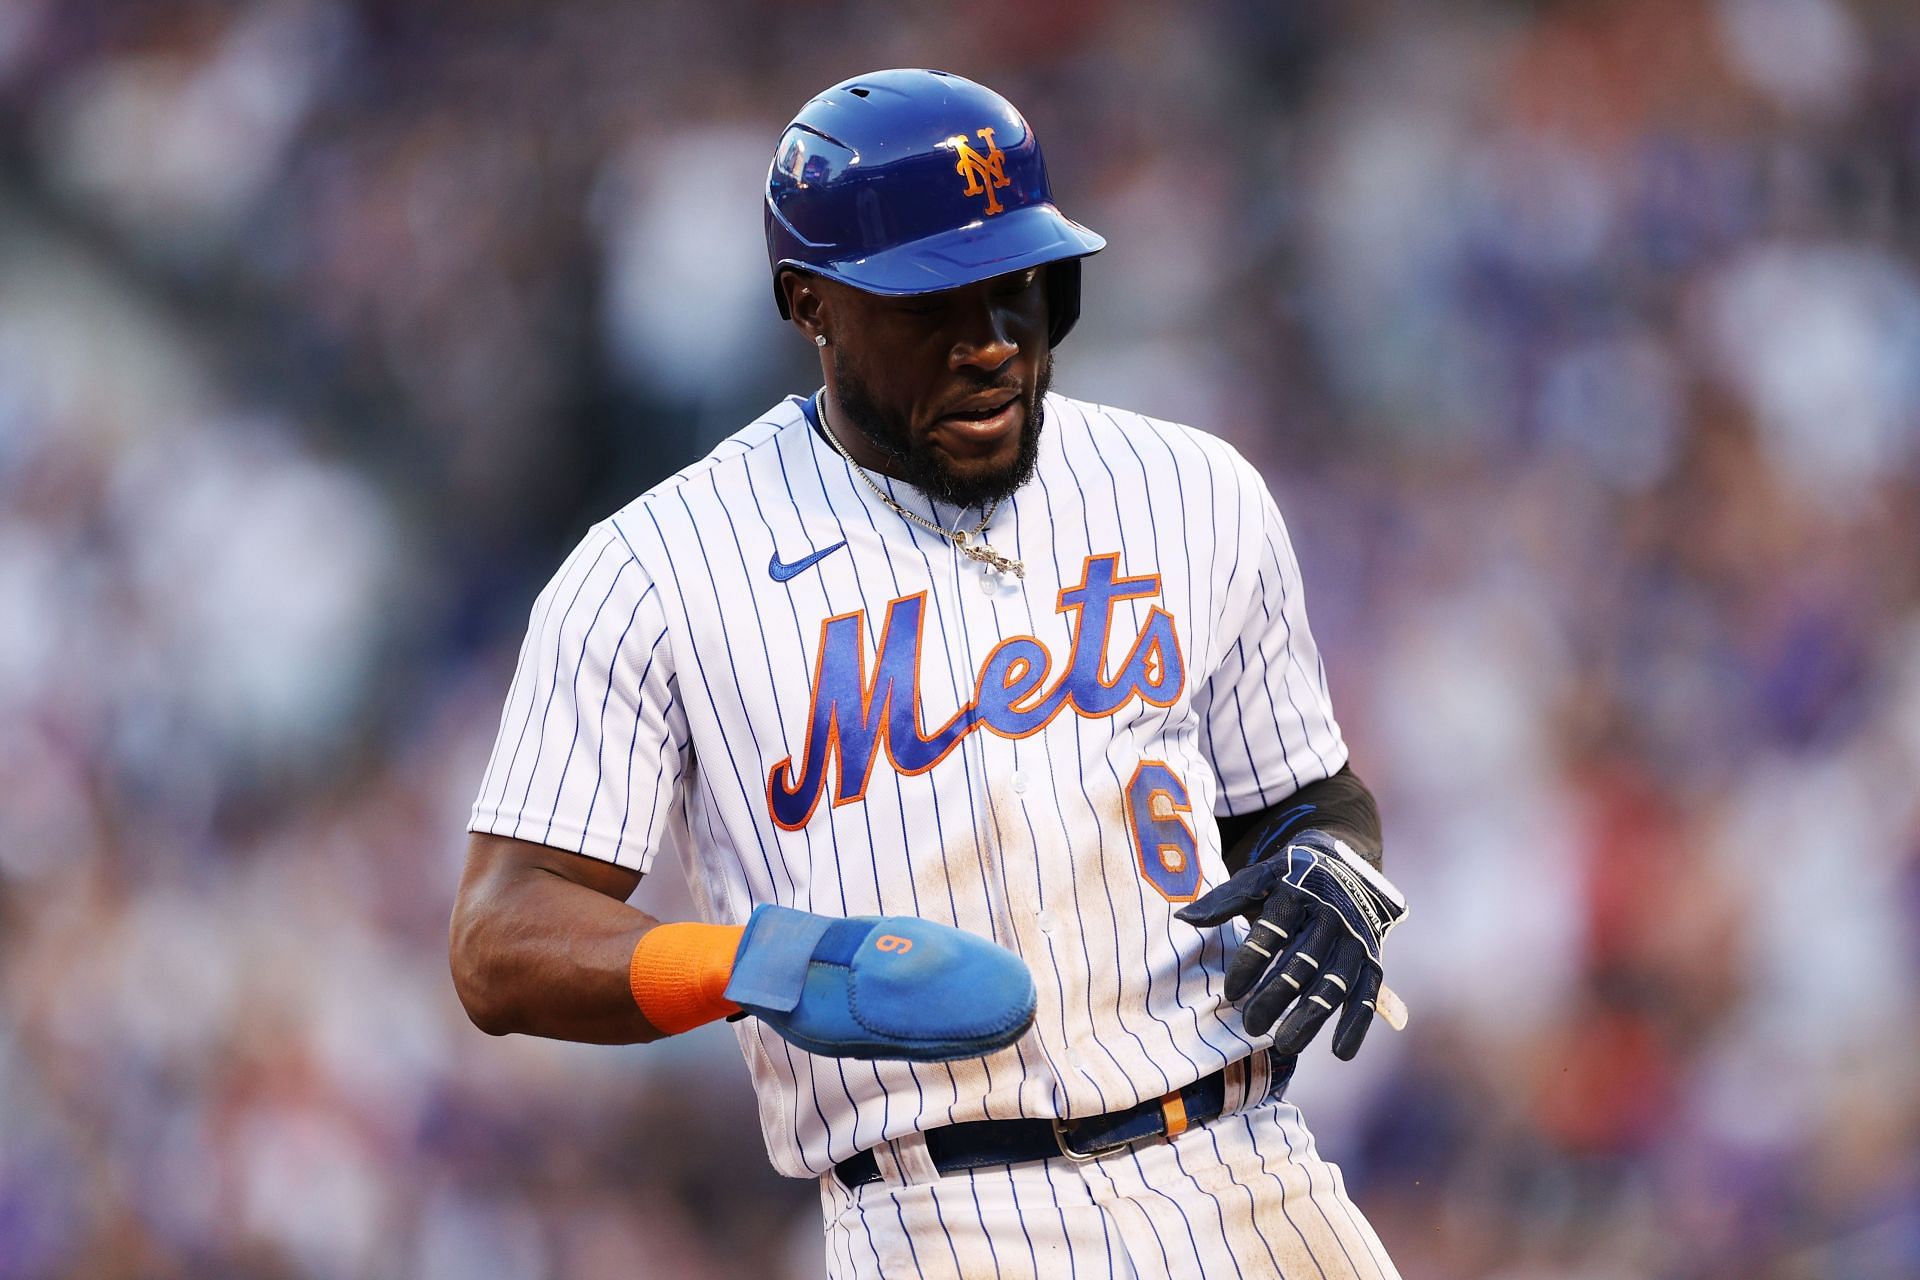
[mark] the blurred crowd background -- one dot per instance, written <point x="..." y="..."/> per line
<point x="1580" y="341"/>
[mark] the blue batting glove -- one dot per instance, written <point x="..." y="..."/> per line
<point x="1320" y="913"/>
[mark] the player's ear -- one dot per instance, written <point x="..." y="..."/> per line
<point x="805" y="302"/>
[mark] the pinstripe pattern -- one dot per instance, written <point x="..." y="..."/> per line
<point x="666" y="673"/>
<point x="1245" y="1196"/>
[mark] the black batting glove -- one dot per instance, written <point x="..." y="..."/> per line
<point x="1319" y="914"/>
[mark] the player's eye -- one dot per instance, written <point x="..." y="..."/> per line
<point x="1019" y="283"/>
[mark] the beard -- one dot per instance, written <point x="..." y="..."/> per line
<point x="913" y="458"/>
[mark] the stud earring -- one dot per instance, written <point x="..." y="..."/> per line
<point x="819" y="339"/>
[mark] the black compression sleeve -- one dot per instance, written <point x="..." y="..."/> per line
<point x="1340" y="805"/>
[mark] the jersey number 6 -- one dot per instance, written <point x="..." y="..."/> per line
<point x="1162" y="839"/>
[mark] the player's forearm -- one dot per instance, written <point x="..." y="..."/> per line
<point x="536" y="953"/>
<point x="1340" y="805"/>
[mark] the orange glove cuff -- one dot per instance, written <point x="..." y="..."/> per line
<point x="679" y="974"/>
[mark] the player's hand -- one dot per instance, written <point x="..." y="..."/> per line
<point x="1319" y="915"/>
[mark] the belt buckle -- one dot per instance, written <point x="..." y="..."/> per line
<point x="1173" y="1119"/>
<point x="1081" y="1157"/>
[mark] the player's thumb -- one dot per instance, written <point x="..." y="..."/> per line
<point x="1241" y="895"/>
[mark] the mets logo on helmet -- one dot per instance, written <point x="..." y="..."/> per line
<point x="982" y="172"/>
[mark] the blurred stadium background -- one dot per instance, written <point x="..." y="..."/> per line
<point x="1580" y="341"/>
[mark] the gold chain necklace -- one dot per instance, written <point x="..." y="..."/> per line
<point x="963" y="539"/>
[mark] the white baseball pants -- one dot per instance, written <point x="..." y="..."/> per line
<point x="1244" y="1195"/>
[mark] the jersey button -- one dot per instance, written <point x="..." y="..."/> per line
<point x="1048" y="922"/>
<point x="1019" y="783"/>
<point x="989" y="583"/>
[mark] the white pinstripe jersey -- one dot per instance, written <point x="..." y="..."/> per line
<point x="897" y="729"/>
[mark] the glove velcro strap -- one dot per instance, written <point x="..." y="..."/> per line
<point x="770" y="970"/>
<point x="842" y="941"/>
<point x="1326" y="869"/>
<point x="1374" y="877"/>
<point x="1331" y="848"/>
<point x="1371" y="874"/>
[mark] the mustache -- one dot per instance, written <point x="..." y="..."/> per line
<point x="977" y="382"/>
<point x="981" y="386"/>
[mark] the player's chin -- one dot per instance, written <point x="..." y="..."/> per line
<point x="969" y="487"/>
<point x="971" y="479"/>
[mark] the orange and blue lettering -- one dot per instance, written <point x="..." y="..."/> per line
<point x="852" y="718"/>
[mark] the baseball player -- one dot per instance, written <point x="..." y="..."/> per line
<point x="991" y="735"/>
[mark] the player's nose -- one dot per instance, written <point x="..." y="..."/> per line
<point x="985" y="339"/>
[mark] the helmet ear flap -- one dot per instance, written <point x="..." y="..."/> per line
<point x="780" y="292"/>
<point x="1063" y="298"/>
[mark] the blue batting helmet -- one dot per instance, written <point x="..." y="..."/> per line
<point x="905" y="182"/>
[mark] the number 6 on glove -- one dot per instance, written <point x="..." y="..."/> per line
<point x="1319" y="915"/>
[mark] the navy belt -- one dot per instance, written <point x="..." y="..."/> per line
<point x="982" y="1142"/>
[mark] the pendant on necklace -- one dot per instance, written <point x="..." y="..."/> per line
<point x="985" y="554"/>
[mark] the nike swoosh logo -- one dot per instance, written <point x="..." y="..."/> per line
<point x="782" y="572"/>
